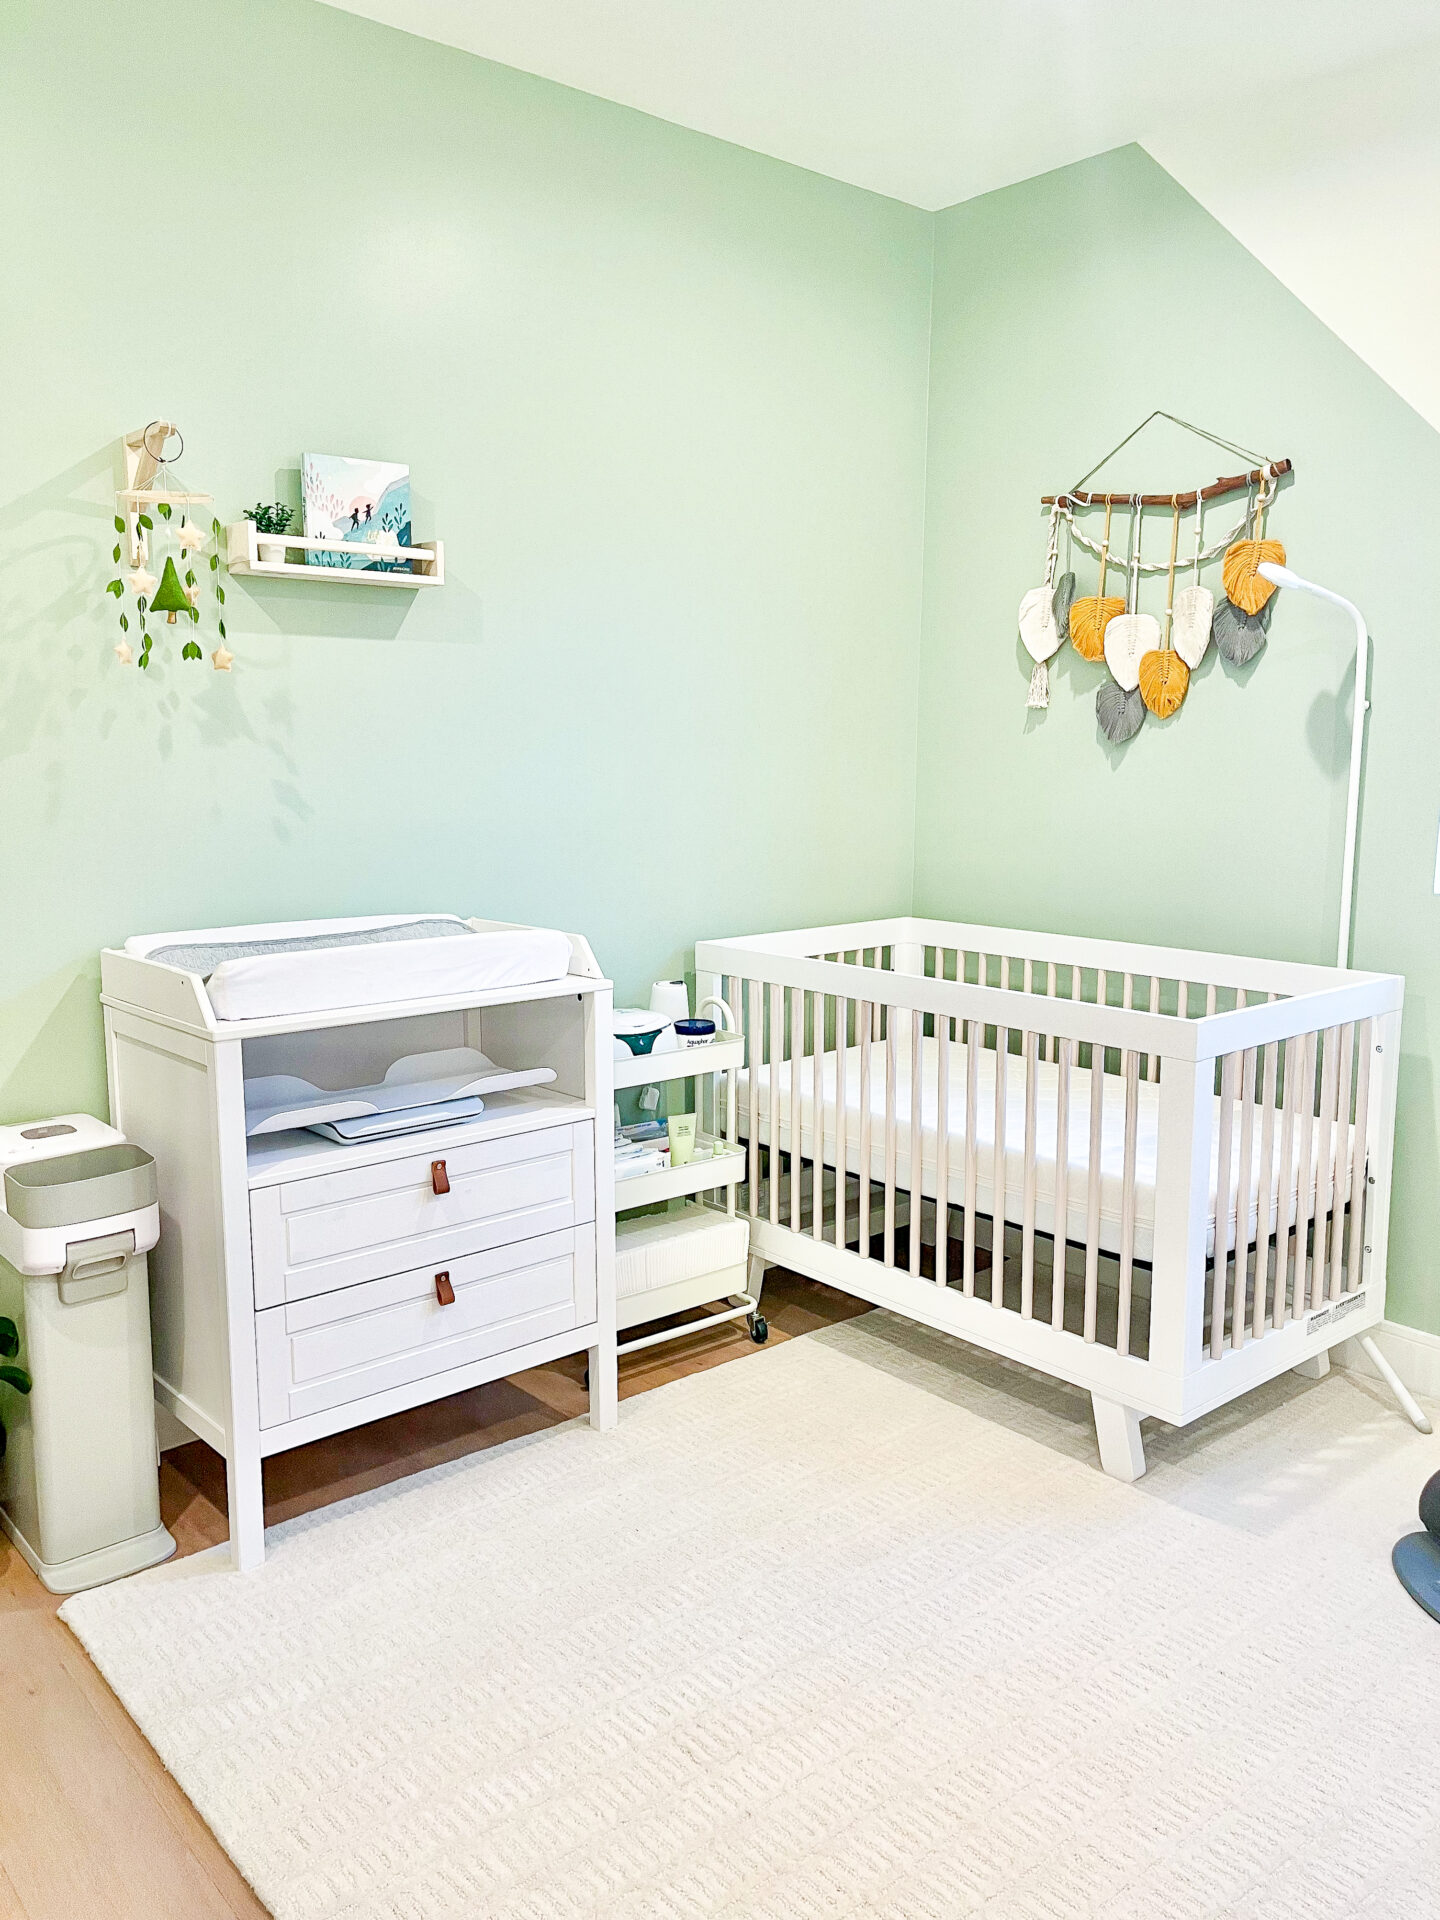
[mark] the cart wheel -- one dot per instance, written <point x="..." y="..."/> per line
<point x="759" y="1328"/>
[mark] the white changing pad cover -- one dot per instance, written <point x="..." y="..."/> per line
<point x="313" y="966"/>
<point x="662" y="1250"/>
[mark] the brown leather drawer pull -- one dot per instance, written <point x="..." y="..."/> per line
<point x="444" y="1292"/>
<point x="439" y="1178"/>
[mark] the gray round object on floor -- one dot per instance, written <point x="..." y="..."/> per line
<point x="1238" y="635"/>
<point x="1416" y="1560"/>
<point x="1119" y="715"/>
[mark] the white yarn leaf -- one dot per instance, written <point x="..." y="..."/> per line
<point x="1037" y="624"/>
<point x="1128" y="638"/>
<point x="1190" y="630"/>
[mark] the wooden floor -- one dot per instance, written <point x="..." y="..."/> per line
<point x="91" y="1825"/>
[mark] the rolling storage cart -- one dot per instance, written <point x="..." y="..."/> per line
<point x="696" y="1252"/>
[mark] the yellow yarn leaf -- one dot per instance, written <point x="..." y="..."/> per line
<point x="1244" y="585"/>
<point x="1088" y="621"/>
<point x="1164" y="682"/>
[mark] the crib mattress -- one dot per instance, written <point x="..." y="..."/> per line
<point x="663" y="1250"/>
<point x="1283" y="1182"/>
<point x="261" y="972"/>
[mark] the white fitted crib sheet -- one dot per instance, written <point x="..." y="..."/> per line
<point x="312" y="966"/>
<point x="1112" y="1151"/>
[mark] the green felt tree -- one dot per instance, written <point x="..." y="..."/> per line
<point x="170" y="596"/>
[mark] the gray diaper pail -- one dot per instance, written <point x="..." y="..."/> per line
<point x="79" y="1483"/>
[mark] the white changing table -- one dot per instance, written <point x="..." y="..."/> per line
<point x="302" y="1286"/>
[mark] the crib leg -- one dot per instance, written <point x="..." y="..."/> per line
<point x="1315" y="1368"/>
<point x="1117" y="1428"/>
<point x="1409" y="1406"/>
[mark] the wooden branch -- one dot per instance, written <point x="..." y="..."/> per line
<point x="1236" y="483"/>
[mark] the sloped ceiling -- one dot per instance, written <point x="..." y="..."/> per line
<point x="1306" y="126"/>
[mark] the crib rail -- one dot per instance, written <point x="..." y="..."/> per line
<point x="1166" y="1168"/>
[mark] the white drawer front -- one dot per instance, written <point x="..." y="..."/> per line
<point x="337" y="1230"/>
<point x="325" y="1352"/>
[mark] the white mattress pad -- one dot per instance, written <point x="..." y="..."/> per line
<point x="1112" y="1151"/>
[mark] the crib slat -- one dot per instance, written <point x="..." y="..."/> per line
<point x="972" y="1157"/>
<point x="1220" y="1276"/>
<point x="890" y="1131"/>
<point x="1338" y="1166"/>
<point x="917" y="1164"/>
<point x="997" y="1177"/>
<point x="1265" y="1194"/>
<point x="1287" y="1306"/>
<point x="817" y="1114"/>
<point x="864" y="1019"/>
<point x="755" y="1053"/>
<point x="1050" y="995"/>
<point x="1027" y="1210"/>
<point x="1130" y="1062"/>
<point x="1359" y="1176"/>
<point x="1323" y="1160"/>
<point x="943" y="1027"/>
<point x="1182" y="998"/>
<point x="1152" y="1061"/>
<point x="1305" y="1197"/>
<point x="1238" y="1322"/>
<point x="777" y="1046"/>
<point x="797" y="1054"/>
<point x="842" y="1116"/>
<point x="1061" y="1221"/>
<point x="735" y="1001"/>
<point x="1210" y="999"/>
<point x="1092" y="1198"/>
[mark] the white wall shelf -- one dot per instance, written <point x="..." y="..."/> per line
<point x="724" y="1054"/>
<point x="723" y="1169"/>
<point x="243" y="544"/>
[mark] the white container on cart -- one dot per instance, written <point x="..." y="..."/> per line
<point x="79" y="1486"/>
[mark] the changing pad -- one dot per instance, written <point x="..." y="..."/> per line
<point x="260" y="972"/>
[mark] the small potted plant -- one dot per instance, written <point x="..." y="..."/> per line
<point x="275" y="518"/>
<point x="13" y="1375"/>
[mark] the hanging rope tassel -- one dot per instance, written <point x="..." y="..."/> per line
<point x="1039" y="695"/>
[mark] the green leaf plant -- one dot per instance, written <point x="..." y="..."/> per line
<point x="12" y="1375"/>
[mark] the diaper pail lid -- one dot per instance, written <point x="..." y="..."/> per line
<point x="70" y="1188"/>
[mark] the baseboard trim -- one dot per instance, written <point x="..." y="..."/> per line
<point x="1415" y="1356"/>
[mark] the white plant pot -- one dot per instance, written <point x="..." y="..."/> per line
<point x="272" y="553"/>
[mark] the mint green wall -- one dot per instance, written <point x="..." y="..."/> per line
<point x="663" y="399"/>
<point x="1065" y="309"/>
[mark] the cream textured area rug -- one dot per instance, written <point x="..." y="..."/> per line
<point x="854" y="1626"/>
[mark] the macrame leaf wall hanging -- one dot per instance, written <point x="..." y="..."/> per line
<point x="1148" y="663"/>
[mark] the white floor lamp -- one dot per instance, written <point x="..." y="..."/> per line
<point x="1284" y="577"/>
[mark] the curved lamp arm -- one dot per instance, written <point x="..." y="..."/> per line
<point x="1283" y="577"/>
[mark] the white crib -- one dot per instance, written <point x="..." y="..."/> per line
<point x="1027" y="1140"/>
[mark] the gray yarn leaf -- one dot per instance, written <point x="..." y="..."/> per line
<point x="1061" y="601"/>
<point x="1118" y="714"/>
<point x="1238" y="635"/>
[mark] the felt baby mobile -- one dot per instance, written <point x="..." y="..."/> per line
<point x="1148" y="664"/>
<point x="153" y="491"/>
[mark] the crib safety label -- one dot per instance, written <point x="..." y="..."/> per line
<point x="1327" y="1316"/>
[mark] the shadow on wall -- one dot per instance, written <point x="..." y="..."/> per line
<point x="51" y="1035"/>
<point x="59" y="681"/>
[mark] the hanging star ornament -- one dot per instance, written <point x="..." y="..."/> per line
<point x="124" y="653"/>
<point x="222" y="658"/>
<point x="189" y="537"/>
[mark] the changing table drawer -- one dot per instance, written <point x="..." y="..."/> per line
<point x="333" y="1230"/>
<point x="322" y="1353"/>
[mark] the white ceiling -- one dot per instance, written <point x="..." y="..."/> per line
<point x="931" y="101"/>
